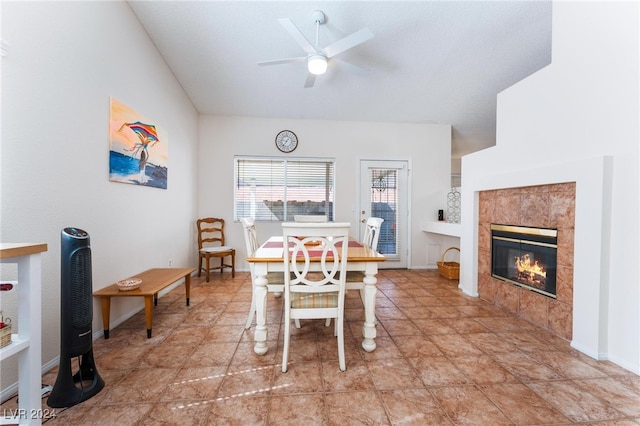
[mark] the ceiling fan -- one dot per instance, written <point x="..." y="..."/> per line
<point x="317" y="59"/>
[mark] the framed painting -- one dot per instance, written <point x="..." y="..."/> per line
<point x="138" y="148"/>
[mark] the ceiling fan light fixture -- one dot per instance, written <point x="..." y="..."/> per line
<point x="317" y="64"/>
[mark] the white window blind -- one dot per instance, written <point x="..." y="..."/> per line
<point x="384" y="204"/>
<point x="276" y="189"/>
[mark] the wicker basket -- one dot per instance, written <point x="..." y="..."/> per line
<point x="449" y="270"/>
<point x="5" y="335"/>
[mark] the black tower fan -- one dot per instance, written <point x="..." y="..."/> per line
<point x="76" y="316"/>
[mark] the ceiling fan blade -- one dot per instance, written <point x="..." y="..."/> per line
<point x="356" y="69"/>
<point x="297" y="36"/>
<point x="348" y="42"/>
<point x="311" y="78"/>
<point x="283" y="61"/>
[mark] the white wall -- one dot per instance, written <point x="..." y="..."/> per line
<point x="578" y="120"/>
<point x="428" y="147"/>
<point x="64" y="61"/>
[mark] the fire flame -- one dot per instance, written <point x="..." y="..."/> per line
<point x="524" y="266"/>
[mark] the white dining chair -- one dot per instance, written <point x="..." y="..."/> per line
<point x="317" y="293"/>
<point x="355" y="279"/>
<point x="275" y="279"/>
<point x="319" y="218"/>
<point x="372" y="232"/>
<point x="370" y="239"/>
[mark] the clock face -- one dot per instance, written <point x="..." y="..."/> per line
<point x="286" y="141"/>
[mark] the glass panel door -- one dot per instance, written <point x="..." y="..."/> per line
<point x="383" y="193"/>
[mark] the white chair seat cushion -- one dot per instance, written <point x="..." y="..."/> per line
<point x="216" y="249"/>
<point x="314" y="300"/>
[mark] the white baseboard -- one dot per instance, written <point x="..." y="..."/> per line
<point x="12" y="390"/>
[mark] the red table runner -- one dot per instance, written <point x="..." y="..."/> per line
<point x="278" y="244"/>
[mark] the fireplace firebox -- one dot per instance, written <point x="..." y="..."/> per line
<point x="526" y="257"/>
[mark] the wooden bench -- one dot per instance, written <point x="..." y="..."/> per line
<point x="153" y="281"/>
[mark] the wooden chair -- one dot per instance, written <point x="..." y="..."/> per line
<point x="317" y="293"/>
<point x="275" y="279"/>
<point x="211" y="244"/>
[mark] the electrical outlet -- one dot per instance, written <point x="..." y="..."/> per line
<point x="170" y="261"/>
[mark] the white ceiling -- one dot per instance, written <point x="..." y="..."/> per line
<point x="438" y="62"/>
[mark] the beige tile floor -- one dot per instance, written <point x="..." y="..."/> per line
<point x="442" y="358"/>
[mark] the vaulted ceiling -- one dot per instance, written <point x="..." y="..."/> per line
<point x="438" y="62"/>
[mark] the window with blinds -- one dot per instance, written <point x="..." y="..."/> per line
<point x="276" y="189"/>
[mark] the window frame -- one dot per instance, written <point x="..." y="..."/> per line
<point x="237" y="214"/>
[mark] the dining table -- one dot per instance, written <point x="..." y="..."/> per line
<point x="362" y="261"/>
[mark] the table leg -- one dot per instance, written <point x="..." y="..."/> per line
<point x="187" y="286"/>
<point x="369" y="299"/>
<point x="105" y="301"/>
<point x="260" y="335"/>
<point x="148" y="313"/>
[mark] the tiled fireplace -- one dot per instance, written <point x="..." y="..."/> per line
<point x="544" y="206"/>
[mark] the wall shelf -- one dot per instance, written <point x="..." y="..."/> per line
<point x="17" y="344"/>
<point x="27" y="343"/>
<point x="443" y="228"/>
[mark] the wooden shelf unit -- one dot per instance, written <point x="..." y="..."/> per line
<point x="26" y="344"/>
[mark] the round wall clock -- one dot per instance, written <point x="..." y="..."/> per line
<point x="286" y="141"/>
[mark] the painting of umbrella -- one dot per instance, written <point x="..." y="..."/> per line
<point x="138" y="149"/>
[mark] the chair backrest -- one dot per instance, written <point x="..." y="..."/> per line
<point x="319" y="218"/>
<point x="327" y="242"/>
<point x="250" y="236"/>
<point x="210" y="232"/>
<point x="372" y="232"/>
